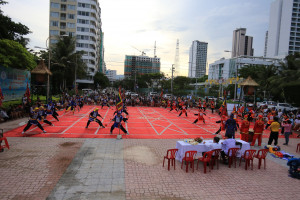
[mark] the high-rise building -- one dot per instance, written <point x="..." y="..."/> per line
<point x="197" y="59"/>
<point x="284" y="28"/>
<point x="139" y="65"/>
<point x="81" y="19"/>
<point x="241" y="43"/>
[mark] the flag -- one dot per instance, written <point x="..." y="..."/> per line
<point x="162" y="92"/>
<point x="27" y="93"/>
<point x="224" y="105"/>
<point x="119" y="102"/>
<point x="1" y="96"/>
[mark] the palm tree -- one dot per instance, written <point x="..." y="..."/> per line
<point x="65" y="61"/>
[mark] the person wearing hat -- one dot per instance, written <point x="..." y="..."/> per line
<point x="93" y="118"/>
<point x="33" y="120"/>
<point x="244" y="129"/>
<point x="117" y="123"/>
<point x="42" y="116"/>
<point x="51" y="109"/>
<point x="258" y="130"/>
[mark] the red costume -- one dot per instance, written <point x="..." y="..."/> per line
<point x="258" y="130"/>
<point x="244" y="130"/>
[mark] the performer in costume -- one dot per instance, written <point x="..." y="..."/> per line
<point x="212" y="106"/>
<point x="93" y="118"/>
<point x="33" y="120"/>
<point x="270" y="119"/>
<point x="258" y="130"/>
<point x="244" y="129"/>
<point x="118" y="123"/>
<point x="51" y="109"/>
<point x="173" y="107"/>
<point x="71" y="106"/>
<point x="42" y="116"/>
<point x="200" y="116"/>
<point x="222" y="124"/>
<point x="204" y="105"/>
<point x="105" y="103"/>
<point x="183" y="110"/>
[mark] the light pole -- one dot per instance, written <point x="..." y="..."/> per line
<point x="172" y="79"/>
<point x="75" y="74"/>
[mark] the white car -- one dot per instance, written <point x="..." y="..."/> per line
<point x="134" y="95"/>
<point x="153" y="94"/>
<point x="167" y="96"/>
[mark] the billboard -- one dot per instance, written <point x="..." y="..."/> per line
<point x="13" y="83"/>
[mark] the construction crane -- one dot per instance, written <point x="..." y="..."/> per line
<point x="143" y="52"/>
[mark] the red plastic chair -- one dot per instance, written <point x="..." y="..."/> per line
<point x="248" y="156"/>
<point x="171" y="154"/>
<point x="206" y="159"/>
<point x="215" y="157"/>
<point x="189" y="158"/>
<point x="261" y="154"/>
<point x="6" y="143"/>
<point x="298" y="147"/>
<point x="232" y="152"/>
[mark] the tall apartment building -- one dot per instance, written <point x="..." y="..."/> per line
<point x="81" y="19"/>
<point x="197" y="59"/>
<point x="284" y="28"/>
<point x="241" y="43"/>
<point x="139" y="65"/>
<point x="111" y="75"/>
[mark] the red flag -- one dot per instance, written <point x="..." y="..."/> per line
<point x="27" y="93"/>
<point x="162" y="92"/>
<point x="119" y="102"/>
<point x="1" y="96"/>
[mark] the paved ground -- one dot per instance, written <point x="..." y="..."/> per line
<point x="71" y="168"/>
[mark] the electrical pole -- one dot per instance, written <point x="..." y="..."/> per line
<point x="172" y="79"/>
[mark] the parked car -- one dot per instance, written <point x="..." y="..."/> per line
<point x="128" y="93"/>
<point x="153" y="94"/>
<point x="134" y="95"/>
<point x="168" y="96"/>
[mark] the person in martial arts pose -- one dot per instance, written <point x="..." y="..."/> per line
<point x="200" y="116"/>
<point x="93" y="118"/>
<point x="42" y="116"/>
<point x="51" y="109"/>
<point x="118" y="123"/>
<point x="33" y="120"/>
<point x="183" y="110"/>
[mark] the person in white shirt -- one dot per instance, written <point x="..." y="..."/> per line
<point x="226" y="145"/>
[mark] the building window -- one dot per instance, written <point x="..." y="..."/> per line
<point x="71" y="25"/>
<point x="84" y="5"/>
<point x="71" y="16"/>
<point x="54" y="32"/>
<point x="83" y="13"/>
<point x="82" y="29"/>
<point x="71" y="7"/>
<point x="54" y="14"/>
<point x="83" y="21"/>
<point x="53" y="23"/>
<point x="54" y="5"/>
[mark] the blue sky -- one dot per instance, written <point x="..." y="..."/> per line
<point x="139" y="23"/>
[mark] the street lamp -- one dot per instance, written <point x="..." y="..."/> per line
<point x="75" y="74"/>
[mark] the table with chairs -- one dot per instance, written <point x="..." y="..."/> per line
<point x="190" y="155"/>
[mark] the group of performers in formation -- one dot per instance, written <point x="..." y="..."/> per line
<point x="39" y="114"/>
<point x="263" y="116"/>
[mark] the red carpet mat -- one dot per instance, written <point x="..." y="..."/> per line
<point x="143" y="123"/>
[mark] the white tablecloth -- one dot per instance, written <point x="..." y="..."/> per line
<point x="200" y="148"/>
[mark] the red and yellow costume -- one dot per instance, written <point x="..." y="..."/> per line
<point x="258" y="130"/>
<point x="244" y="130"/>
<point x="223" y="121"/>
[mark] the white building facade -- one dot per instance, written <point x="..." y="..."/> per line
<point x="111" y="75"/>
<point x="284" y="28"/>
<point x="197" y="59"/>
<point x="82" y="19"/>
<point x="224" y="69"/>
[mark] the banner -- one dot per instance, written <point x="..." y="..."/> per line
<point x="13" y="83"/>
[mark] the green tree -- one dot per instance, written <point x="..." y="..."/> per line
<point x="285" y="84"/>
<point x="13" y="54"/>
<point x="64" y="61"/>
<point x="101" y="80"/>
<point x="11" y="30"/>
